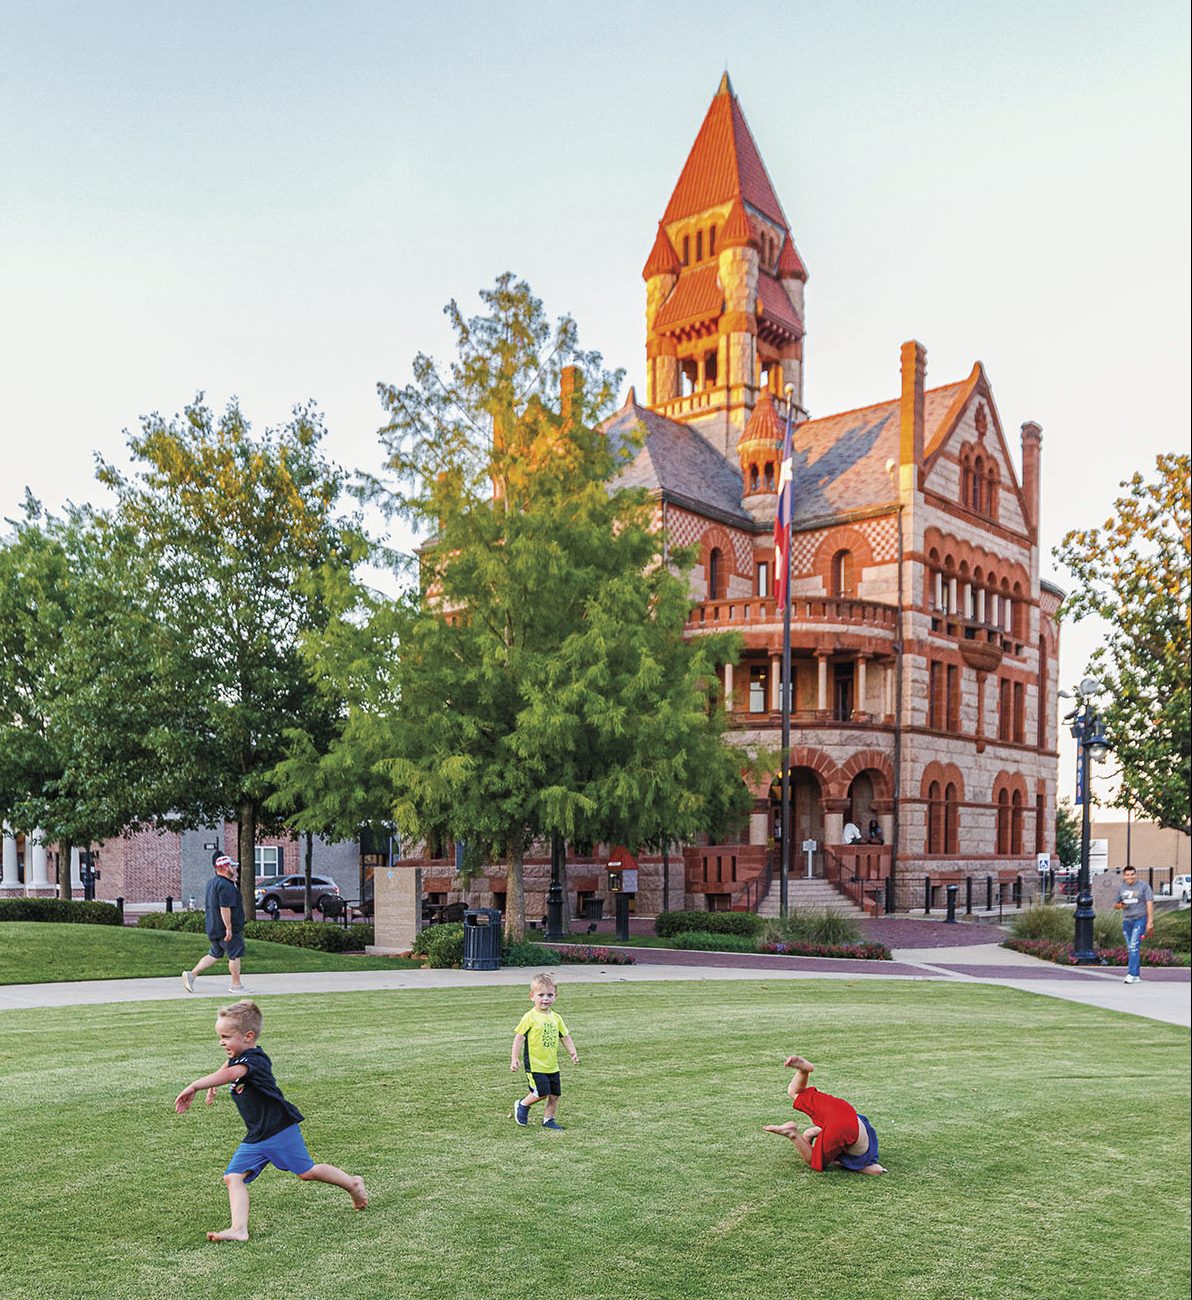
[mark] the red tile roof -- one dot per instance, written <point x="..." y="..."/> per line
<point x="723" y="164"/>
<point x="764" y="425"/>
<point x="790" y="264"/>
<point x="697" y="297"/>
<point x="663" y="259"/>
<point x="738" y="231"/>
<point x="777" y="307"/>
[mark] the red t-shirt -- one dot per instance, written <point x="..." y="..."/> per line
<point x="836" y="1117"/>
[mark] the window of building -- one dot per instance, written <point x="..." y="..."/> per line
<point x="951" y="819"/>
<point x="953" y="697"/>
<point x="716" y="574"/>
<point x="844" y="583"/>
<point x="1016" y="810"/>
<point x="753" y="478"/>
<point x="712" y="241"/>
<point x="686" y="249"/>
<point x="937" y="711"/>
<point x="762" y="579"/>
<point x="1005" y="719"/>
<point x="759" y="686"/>
<point x="269" y="859"/>
<point x="699" y="245"/>
<point x="769" y="473"/>
<point x="1040" y="830"/>
<point x="842" y="693"/>
<point x="935" y="818"/>
<point x="1003" y="822"/>
<point x="709" y="369"/>
<point x="1019" y="707"/>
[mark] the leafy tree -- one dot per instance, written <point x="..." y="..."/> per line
<point x="1067" y="834"/>
<point x="1134" y="572"/>
<point x="235" y="525"/>
<point x="542" y="683"/>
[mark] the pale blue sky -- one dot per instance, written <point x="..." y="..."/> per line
<point x="276" y="199"/>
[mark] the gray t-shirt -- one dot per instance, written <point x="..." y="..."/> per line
<point x="1134" y="899"/>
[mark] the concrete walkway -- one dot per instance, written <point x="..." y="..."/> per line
<point x="1164" y="995"/>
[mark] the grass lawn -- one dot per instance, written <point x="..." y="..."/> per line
<point x="45" y="952"/>
<point x="1037" y="1148"/>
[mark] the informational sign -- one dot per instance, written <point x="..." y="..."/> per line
<point x="629" y="880"/>
<point x="809" y="847"/>
<point x="1098" y="856"/>
<point x="1043" y="862"/>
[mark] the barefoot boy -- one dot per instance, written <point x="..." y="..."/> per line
<point x="273" y="1135"/>
<point x="536" y="1051"/>
<point x="836" y="1134"/>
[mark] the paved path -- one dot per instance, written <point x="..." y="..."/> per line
<point x="1164" y="995"/>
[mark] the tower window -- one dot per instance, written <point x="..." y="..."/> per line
<point x="843" y="574"/>
<point x="686" y="249"/>
<point x="712" y="241"/>
<point x="717" y="578"/>
<point x="699" y="245"/>
<point x="763" y="578"/>
<point x="753" y="478"/>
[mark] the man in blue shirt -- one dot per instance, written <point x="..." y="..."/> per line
<point x="225" y="925"/>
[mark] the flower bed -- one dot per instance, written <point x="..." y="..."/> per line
<point x="855" y="951"/>
<point x="594" y="956"/>
<point x="1061" y="953"/>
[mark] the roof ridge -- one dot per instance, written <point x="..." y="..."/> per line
<point x="870" y="406"/>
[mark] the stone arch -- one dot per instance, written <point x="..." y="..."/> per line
<point x="833" y="542"/>
<point x="876" y="764"/>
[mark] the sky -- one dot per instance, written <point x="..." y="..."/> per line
<point x="275" y="201"/>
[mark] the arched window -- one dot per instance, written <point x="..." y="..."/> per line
<point x="699" y="245"/>
<point x="844" y="582"/>
<point x="951" y="819"/>
<point x="686" y="249"/>
<point x="1003" y="822"/>
<point x="769" y="472"/>
<point x="976" y="480"/>
<point x="935" y="818"/>
<point x="716" y="574"/>
<point x="753" y="478"/>
<point x="1016" y="822"/>
<point x="712" y="241"/>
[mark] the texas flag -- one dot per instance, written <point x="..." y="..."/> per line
<point x="782" y="520"/>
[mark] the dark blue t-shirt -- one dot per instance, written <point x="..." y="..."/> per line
<point x="222" y="893"/>
<point x="258" y="1098"/>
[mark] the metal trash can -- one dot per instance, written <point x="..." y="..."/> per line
<point x="593" y="909"/>
<point x="482" y="938"/>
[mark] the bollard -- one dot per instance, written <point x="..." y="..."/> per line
<point x="1018" y="891"/>
<point x="952" y="891"/>
<point x="926" y="895"/>
<point x="120" y="909"/>
<point x="169" y="903"/>
<point x="968" y="895"/>
<point x="989" y="893"/>
<point x="889" y="895"/>
<point x="622" y="916"/>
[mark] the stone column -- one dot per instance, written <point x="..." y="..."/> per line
<point x="36" y="876"/>
<point x="982" y="595"/>
<point x="953" y="596"/>
<point x="8" y="862"/>
<point x="822" y="696"/>
<point x="860" y="705"/>
<point x="76" y="880"/>
<point x="728" y="688"/>
<point x="776" y="683"/>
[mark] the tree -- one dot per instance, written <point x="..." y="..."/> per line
<point x="1067" y="834"/>
<point x="542" y="682"/>
<point x="236" y="527"/>
<point x="1134" y="572"/>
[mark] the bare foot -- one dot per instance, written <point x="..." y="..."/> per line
<point x="798" y="1063"/>
<point x="358" y="1194"/>
<point x="873" y="1169"/>
<point x="812" y="1131"/>
<point x="229" y="1234"/>
<point x="787" y="1130"/>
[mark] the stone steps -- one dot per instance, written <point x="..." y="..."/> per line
<point x="812" y="895"/>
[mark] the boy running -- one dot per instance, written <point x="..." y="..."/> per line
<point x="836" y="1134"/>
<point x="536" y="1051"/>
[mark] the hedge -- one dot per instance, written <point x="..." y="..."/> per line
<point x="707" y="941"/>
<point x="188" y="922"/>
<point x="59" y="909"/>
<point x="1061" y="953"/>
<point x="747" y="924"/>
<point x="326" y="936"/>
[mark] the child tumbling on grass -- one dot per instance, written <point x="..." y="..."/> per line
<point x="536" y="1051"/>
<point x="836" y="1134"/>
<point x="273" y="1136"/>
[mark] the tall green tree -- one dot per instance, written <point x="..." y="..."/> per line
<point x="543" y="686"/>
<point x="1067" y="834"/>
<point x="1135" y="572"/>
<point x="235" y="525"/>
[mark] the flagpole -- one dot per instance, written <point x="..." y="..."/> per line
<point x="785" y="579"/>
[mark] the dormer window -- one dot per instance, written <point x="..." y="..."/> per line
<point x="699" y="245"/>
<point x="712" y="242"/>
<point x="686" y="249"/>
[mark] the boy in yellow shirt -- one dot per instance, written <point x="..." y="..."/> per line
<point x="536" y="1051"/>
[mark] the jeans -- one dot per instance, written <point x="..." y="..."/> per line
<point x="1133" y="931"/>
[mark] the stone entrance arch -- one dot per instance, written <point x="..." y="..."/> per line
<point x="807" y="814"/>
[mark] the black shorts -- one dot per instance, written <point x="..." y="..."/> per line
<point x="544" y="1085"/>
<point x="230" y="948"/>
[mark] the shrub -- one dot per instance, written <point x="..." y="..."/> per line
<point x="1061" y="953"/>
<point x="525" y="953"/>
<point x="441" y="945"/>
<point x="815" y="927"/>
<point x="325" y="936"/>
<point x="59" y="909"/>
<point x="188" y="922"/>
<point x="803" y="948"/>
<point x="706" y="941"/>
<point x="594" y="956"/>
<point x="1172" y="930"/>
<point x="738" y="923"/>
<point x="428" y="935"/>
<point x="1043" y="921"/>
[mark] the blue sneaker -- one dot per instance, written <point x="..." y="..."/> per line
<point x="521" y="1113"/>
<point x="552" y="1123"/>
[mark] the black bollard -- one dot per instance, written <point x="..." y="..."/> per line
<point x="950" y="919"/>
<point x="889" y="895"/>
<point x="1018" y="891"/>
<point x="926" y="895"/>
<point x="989" y="893"/>
<point x="120" y="909"/>
<point x="169" y="903"/>
<point x="622" y="917"/>
<point x="968" y="895"/>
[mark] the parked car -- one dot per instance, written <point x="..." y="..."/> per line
<point x="275" y="892"/>
<point x="1181" y="888"/>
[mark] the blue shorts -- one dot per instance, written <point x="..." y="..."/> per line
<point x="230" y="948"/>
<point x="857" y="1163"/>
<point x="285" y="1150"/>
<point x="545" y="1085"/>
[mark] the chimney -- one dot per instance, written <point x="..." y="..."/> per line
<point x="914" y="364"/>
<point x="1032" y="441"/>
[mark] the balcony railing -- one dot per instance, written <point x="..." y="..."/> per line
<point x="749" y="611"/>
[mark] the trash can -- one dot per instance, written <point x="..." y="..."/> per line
<point x="482" y="938"/>
<point x="593" y="909"/>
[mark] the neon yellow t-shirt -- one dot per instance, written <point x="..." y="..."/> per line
<point x="543" y="1031"/>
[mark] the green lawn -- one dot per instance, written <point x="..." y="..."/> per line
<point x="1037" y="1148"/>
<point x="44" y="952"/>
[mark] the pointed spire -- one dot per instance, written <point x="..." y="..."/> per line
<point x="631" y="396"/>
<point x="764" y="425"/>
<point x="737" y="231"/>
<point x="790" y="264"/>
<point x="726" y="85"/>
<point x="663" y="259"/>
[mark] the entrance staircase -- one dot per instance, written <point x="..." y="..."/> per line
<point x="804" y="895"/>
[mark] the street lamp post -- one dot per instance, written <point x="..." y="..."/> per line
<point x="555" y="900"/>
<point x="1091" y="746"/>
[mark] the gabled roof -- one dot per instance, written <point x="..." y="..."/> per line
<point x="697" y="296"/>
<point x="723" y="165"/>
<point x="777" y="306"/>
<point x="790" y="264"/>
<point x="663" y="259"/>
<point x="737" y="231"/>
<point x="840" y="460"/>
<point x="679" y="462"/>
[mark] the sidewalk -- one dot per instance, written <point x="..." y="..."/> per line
<point x="1164" y="995"/>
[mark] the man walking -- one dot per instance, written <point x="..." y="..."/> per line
<point x="1136" y="901"/>
<point x="225" y="925"/>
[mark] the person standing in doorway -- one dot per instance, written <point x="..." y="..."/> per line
<point x="225" y="925"/>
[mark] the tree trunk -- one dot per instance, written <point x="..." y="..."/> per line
<point x="64" y="848"/>
<point x="246" y="851"/>
<point x="515" y="894"/>
<point x="310" y="857"/>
